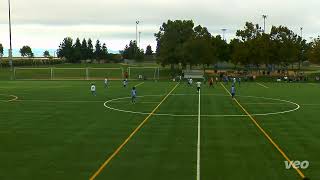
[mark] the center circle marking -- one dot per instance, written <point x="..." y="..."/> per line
<point x="13" y="98"/>
<point x="203" y="115"/>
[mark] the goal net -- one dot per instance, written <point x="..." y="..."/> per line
<point x="101" y="73"/>
<point x="144" y="73"/>
<point x="32" y="73"/>
<point x="195" y="74"/>
<point x="67" y="73"/>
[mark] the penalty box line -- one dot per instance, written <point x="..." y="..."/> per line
<point x="108" y="160"/>
<point x="255" y="122"/>
<point x="260" y="84"/>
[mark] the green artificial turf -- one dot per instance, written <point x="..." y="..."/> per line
<point x="58" y="130"/>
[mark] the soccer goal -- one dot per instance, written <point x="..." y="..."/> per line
<point x="32" y="73"/>
<point x="101" y="73"/>
<point x="67" y="73"/>
<point x="144" y="73"/>
<point x="195" y="74"/>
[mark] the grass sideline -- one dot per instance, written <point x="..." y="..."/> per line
<point x="57" y="130"/>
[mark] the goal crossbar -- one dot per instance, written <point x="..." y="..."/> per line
<point x="85" y="73"/>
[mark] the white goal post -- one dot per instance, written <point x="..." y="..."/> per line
<point x="144" y="73"/>
<point x="53" y="73"/>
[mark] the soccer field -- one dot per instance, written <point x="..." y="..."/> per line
<point x="58" y="130"/>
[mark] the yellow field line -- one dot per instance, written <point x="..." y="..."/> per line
<point x="106" y="162"/>
<point x="266" y="135"/>
<point x="263" y="85"/>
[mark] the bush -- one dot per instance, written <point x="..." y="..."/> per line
<point x="31" y="61"/>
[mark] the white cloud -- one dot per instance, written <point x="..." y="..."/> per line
<point x="44" y="23"/>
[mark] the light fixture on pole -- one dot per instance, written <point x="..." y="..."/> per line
<point x="264" y="22"/>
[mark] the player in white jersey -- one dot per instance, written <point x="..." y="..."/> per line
<point x="93" y="89"/>
<point x="190" y="81"/>
<point x="125" y="82"/>
<point x="198" y="86"/>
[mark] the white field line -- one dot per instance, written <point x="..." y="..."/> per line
<point x="263" y="85"/>
<point x="198" y="144"/>
<point x="143" y="102"/>
<point x="265" y="103"/>
<point x="310" y="104"/>
<point x="55" y="101"/>
<point x="139" y="84"/>
<point x="195" y="115"/>
<point x="313" y="84"/>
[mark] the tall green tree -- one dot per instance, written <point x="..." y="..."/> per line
<point x="104" y="52"/>
<point x="46" y="53"/>
<point x="77" y="53"/>
<point x="84" y="49"/>
<point x="1" y="50"/>
<point x="248" y="36"/>
<point x="198" y="49"/>
<point x="314" y="51"/>
<point x="287" y="46"/>
<point x="239" y="52"/>
<point x="66" y="49"/>
<point x="98" y="50"/>
<point x="170" y="41"/>
<point x="149" y="51"/>
<point x="132" y="51"/>
<point x="90" y="50"/>
<point x="26" y="51"/>
<point x="221" y="49"/>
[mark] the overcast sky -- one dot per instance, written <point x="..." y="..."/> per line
<point x="44" y="23"/>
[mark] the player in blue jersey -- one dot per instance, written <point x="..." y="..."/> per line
<point x="133" y="95"/>
<point x="233" y="91"/>
<point x="239" y="81"/>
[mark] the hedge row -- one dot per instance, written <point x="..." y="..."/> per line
<point x="31" y="61"/>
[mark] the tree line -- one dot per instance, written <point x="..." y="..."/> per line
<point x="75" y="51"/>
<point x="181" y="42"/>
<point x="132" y="51"/>
<point x="26" y="51"/>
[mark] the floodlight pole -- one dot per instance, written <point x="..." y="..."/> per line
<point x="139" y="39"/>
<point x="301" y="29"/>
<point x="223" y="33"/>
<point x="10" y="50"/>
<point x="137" y="22"/>
<point x="264" y="22"/>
